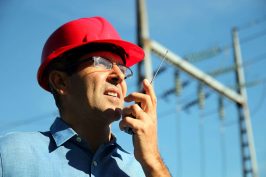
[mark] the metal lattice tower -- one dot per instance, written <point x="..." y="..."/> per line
<point x="249" y="162"/>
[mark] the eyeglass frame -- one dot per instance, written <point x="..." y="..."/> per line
<point x="123" y="68"/>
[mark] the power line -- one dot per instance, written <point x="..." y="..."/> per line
<point x="214" y="51"/>
<point x="179" y="144"/>
<point x="251" y="23"/>
<point x="247" y="63"/>
<point x="173" y="90"/>
<point x="261" y="101"/>
<point x="202" y="143"/>
<point x="21" y="122"/>
<point x="204" y="54"/>
<point x="253" y="36"/>
<point x="223" y="149"/>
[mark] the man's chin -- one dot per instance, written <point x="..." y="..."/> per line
<point x="114" y="114"/>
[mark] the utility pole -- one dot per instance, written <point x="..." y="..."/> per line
<point x="142" y="39"/>
<point x="249" y="161"/>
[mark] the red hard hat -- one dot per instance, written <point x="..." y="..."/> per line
<point x="81" y="32"/>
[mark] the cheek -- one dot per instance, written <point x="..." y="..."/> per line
<point x="95" y="83"/>
<point x="124" y="88"/>
<point x="91" y="85"/>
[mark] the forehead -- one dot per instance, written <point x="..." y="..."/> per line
<point x="105" y="54"/>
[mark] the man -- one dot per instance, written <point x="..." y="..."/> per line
<point x="84" y="65"/>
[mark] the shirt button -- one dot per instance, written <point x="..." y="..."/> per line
<point x="78" y="139"/>
<point x="94" y="163"/>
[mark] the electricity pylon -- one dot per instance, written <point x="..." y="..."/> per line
<point x="249" y="163"/>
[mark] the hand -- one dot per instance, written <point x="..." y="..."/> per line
<point x="142" y="118"/>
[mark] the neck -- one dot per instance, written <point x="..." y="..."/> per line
<point x="95" y="136"/>
<point x="93" y="132"/>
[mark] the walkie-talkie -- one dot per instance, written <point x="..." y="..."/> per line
<point x="128" y="129"/>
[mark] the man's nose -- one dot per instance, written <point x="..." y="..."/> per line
<point x="116" y="75"/>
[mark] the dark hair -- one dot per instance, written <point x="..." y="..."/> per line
<point x="68" y="62"/>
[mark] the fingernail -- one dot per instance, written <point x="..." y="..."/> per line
<point x="146" y="81"/>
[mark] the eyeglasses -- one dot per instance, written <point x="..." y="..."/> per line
<point x="103" y="63"/>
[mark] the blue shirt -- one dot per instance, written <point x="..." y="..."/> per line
<point x="60" y="152"/>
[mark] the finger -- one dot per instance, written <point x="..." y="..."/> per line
<point x="126" y="111"/>
<point x="134" y="124"/>
<point x="143" y="99"/>
<point x="150" y="91"/>
<point x="133" y="96"/>
<point x="133" y="111"/>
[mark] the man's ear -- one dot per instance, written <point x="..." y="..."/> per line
<point x="58" y="80"/>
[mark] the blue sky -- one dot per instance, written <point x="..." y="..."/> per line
<point x="184" y="27"/>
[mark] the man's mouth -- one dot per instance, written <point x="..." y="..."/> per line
<point x="112" y="93"/>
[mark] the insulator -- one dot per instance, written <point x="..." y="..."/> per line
<point x="221" y="107"/>
<point x="201" y="96"/>
<point x="178" y="83"/>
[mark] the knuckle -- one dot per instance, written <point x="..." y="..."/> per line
<point x="141" y="130"/>
<point x="135" y="107"/>
<point x="126" y="119"/>
<point x="125" y="112"/>
<point x="146" y="97"/>
<point x="133" y="94"/>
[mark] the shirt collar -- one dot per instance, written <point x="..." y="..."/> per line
<point x="61" y="132"/>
